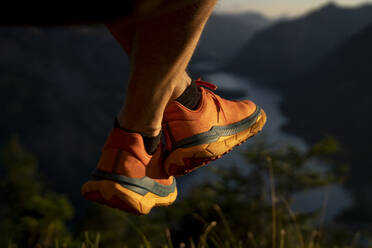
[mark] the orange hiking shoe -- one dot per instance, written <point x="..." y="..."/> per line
<point x="196" y="137"/>
<point x="128" y="178"/>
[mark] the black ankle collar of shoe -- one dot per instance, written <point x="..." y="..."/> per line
<point x="151" y="143"/>
<point x="190" y="98"/>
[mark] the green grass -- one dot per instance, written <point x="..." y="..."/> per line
<point x="236" y="209"/>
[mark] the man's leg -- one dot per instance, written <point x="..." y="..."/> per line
<point x="160" y="50"/>
<point x="129" y="175"/>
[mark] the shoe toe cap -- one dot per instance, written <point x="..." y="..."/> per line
<point x="248" y="107"/>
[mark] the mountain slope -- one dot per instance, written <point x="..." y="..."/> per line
<point x="335" y="99"/>
<point x="225" y="34"/>
<point x="291" y="47"/>
<point x="59" y="91"/>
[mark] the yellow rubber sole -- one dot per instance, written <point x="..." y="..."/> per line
<point x="185" y="160"/>
<point x="114" y="195"/>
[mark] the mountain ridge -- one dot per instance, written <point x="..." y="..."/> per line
<point x="291" y="47"/>
<point x="335" y="100"/>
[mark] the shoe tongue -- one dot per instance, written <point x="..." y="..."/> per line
<point x="190" y="98"/>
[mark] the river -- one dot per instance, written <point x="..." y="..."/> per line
<point x="334" y="197"/>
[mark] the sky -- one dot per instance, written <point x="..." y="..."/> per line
<point x="278" y="8"/>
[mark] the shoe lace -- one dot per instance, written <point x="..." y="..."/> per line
<point x="213" y="87"/>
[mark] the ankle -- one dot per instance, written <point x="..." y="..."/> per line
<point x="181" y="83"/>
<point x="144" y="130"/>
<point x="151" y="143"/>
<point x="191" y="96"/>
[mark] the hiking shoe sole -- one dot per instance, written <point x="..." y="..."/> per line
<point x="132" y="195"/>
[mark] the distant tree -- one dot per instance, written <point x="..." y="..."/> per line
<point x="31" y="214"/>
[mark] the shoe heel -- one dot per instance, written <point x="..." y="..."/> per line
<point x="114" y="195"/>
